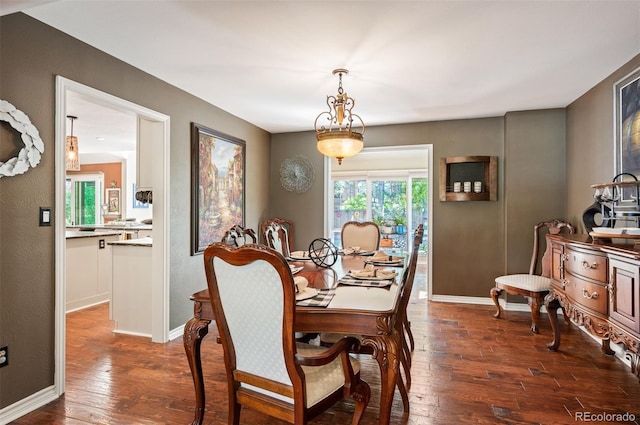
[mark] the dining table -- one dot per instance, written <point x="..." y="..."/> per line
<point x="366" y="311"/>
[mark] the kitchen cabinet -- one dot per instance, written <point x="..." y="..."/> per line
<point x="88" y="268"/>
<point x="131" y="287"/>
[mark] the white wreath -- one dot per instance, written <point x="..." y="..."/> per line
<point x="30" y="155"/>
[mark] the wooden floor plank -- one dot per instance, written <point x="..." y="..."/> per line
<point x="468" y="368"/>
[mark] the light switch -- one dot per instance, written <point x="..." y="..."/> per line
<point x="45" y="216"/>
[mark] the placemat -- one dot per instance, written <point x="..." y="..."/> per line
<point x="323" y="299"/>
<point x="348" y="280"/>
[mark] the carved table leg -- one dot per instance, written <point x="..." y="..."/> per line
<point x="634" y="358"/>
<point x="194" y="331"/>
<point x="552" y="305"/>
<point x="495" y="294"/>
<point x="386" y="351"/>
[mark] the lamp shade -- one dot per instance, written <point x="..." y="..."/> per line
<point x="72" y="159"/>
<point x="339" y="145"/>
<point x="71" y="154"/>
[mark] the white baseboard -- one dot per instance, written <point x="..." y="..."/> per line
<point x="86" y="303"/>
<point x="27" y="405"/>
<point x="176" y="333"/>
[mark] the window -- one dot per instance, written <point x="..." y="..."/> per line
<point x="396" y="200"/>
<point x="84" y="199"/>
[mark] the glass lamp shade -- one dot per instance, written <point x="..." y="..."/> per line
<point x="72" y="162"/>
<point x="340" y="144"/>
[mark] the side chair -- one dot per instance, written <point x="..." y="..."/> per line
<point x="252" y="293"/>
<point x="402" y="324"/>
<point x="365" y="234"/>
<point x="238" y="236"/>
<point x="533" y="287"/>
<point x="278" y="234"/>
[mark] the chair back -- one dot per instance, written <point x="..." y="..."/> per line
<point x="238" y="236"/>
<point x="278" y="234"/>
<point x="409" y="274"/>
<point x="365" y="235"/>
<point x="554" y="226"/>
<point x="253" y="298"/>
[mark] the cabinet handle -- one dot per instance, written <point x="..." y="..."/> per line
<point x="586" y="265"/>
<point x="611" y="289"/>
<point x="586" y="295"/>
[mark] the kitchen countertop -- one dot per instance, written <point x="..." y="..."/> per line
<point x="120" y="226"/>
<point x="73" y="234"/>
<point x="147" y="241"/>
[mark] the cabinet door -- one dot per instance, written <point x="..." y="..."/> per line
<point x="557" y="266"/>
<point x="624" y="281"/>
<point x="149" y="140"/>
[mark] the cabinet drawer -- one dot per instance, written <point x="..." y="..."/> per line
<point x="587" y="265"/>
<point x="587" y="294"/>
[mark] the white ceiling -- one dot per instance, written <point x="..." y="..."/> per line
<point x="270" y="62"/>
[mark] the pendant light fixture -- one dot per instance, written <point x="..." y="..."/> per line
<point x="337" y="138"/>
<point x="71" y="149"/>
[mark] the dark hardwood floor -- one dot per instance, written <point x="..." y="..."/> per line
<point x="468" y="368"/>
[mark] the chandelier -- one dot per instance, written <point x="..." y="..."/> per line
<point x="72" y="160"/>
<point x="337" y="138"/>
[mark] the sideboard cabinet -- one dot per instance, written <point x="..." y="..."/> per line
<point x="597" y="285"/>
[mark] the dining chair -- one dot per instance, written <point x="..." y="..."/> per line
<point x="363" y="234"/>
<point x="402" y="324"/>
<point x="278" y="234"/>
<point x="252" y="292"/>
<point x="533" y="287"/>
<point x="238" y="236"/>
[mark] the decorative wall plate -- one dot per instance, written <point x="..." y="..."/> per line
<point x="30" y="154"/>
<point x="297" y="174"/>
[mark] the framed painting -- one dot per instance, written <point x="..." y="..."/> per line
<point x="627" y="130"/>
<point x="113" y="201"/>
<point x="217" y="185"/>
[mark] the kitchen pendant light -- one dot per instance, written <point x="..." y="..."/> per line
<point x="71" y="150"/>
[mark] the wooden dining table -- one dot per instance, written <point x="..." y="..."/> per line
<point x="354" y="310"/>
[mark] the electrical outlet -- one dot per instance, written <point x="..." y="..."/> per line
<point x="4" y="356"/>
<point x="101" y="244"/>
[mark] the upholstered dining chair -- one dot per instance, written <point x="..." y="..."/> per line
<point x="533" y="287"/>
<point x="253" y="297"/>
<point x="278" y="234"/>
<point x="238" y="236"/>
<point x="365" y="234"/>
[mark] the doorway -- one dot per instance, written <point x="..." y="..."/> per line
<point x="160" y="235"/>
<point x="391" y="186"/>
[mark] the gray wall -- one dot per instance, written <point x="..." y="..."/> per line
<point x="469" y="238"/>
<point x="32" y="55"/>
<point x="590" y="142"/>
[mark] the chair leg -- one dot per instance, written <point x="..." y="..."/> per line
<point x="403" y="392"/>
<point x="535" y="303"/>
<point x="495" y="294"/>
<point x="405" y="361"/>
<point x="407" y="328"/>
<point x="361" y="395"/>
